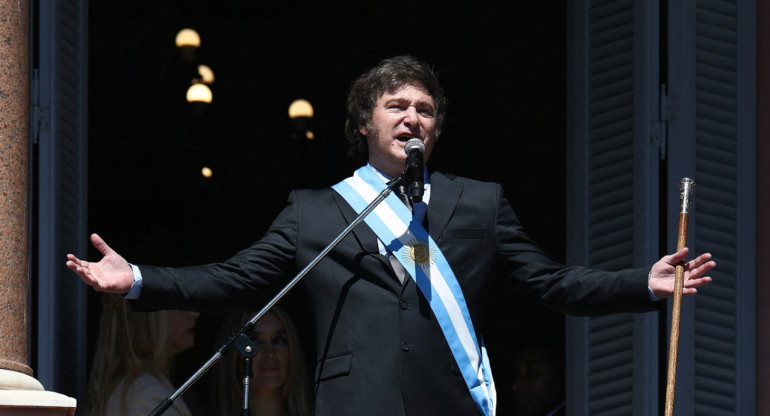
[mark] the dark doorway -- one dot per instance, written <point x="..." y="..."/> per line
<point x="503" y="67"/>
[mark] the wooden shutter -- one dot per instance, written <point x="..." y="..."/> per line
<point x="59" y="131"/>
<point x="709" y="136"/>
<point x="712" y="140"/>
<point x="612" y="199"/>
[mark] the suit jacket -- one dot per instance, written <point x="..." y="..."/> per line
<point x="380" y="350"/>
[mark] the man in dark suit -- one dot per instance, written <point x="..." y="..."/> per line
<point x="394" y="304"/>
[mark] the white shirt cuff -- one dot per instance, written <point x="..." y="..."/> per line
<point x="653" y="296"/>
<point x="136" y="288"/>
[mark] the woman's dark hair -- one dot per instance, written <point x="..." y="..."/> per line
<point x="387" y="77"/>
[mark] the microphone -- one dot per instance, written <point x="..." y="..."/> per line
<point x="414" y="168"/>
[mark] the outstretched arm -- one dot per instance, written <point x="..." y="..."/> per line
<point x="663" y="273"/>
<point x="111" y="274"/>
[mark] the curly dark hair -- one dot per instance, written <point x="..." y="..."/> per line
<point x="388" y="76"/>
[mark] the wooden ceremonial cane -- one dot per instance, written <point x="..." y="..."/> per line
<point x="686" y="188"/>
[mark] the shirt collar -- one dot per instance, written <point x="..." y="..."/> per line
<point x="385" y="178"/>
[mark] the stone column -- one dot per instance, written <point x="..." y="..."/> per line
<point x="20" y="393"/>
<point x="14" y="186"/>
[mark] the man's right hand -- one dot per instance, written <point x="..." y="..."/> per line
<point x="111" y="274"/>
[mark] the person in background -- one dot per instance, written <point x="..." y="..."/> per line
<point x="134" y="358"/>
<point x="280" y="385"/>
<point x="538" y="386"/>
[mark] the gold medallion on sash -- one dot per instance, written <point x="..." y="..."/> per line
<point x="419" y="253"/>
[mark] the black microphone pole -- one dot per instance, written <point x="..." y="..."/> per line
<point x="237" y="339"/>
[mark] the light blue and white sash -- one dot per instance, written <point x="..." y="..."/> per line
<point x="423" y="260"/>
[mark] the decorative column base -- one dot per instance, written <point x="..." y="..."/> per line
<point x="22" y="395"/>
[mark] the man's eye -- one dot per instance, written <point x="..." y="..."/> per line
<point x="426" y="113"/>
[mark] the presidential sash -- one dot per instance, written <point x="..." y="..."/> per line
<point x="418" y="253"/>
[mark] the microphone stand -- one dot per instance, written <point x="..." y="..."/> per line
<point x="240" y="335"/>
<point x="248" y="349"/>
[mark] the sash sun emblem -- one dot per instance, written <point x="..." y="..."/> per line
<point x="418" y="252"/>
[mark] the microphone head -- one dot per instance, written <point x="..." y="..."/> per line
<point x="413" y="144"/>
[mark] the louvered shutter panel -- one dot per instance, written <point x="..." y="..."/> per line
<point x="714" y="142"/>
<point x="60" y="131"/>
<point x="612" y="197"/>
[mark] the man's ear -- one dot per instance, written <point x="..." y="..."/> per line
<point x="364" y="131"/>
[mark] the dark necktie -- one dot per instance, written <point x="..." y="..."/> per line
<point x="402" y="195"/>
<point x="397" y="267"/>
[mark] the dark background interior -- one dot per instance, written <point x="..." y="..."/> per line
<point x="503" y="67"/>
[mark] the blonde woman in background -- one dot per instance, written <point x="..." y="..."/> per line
<point x="134" y="355"/>
<point x="280" y="385"/>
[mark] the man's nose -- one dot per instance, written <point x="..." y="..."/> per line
<point x="517" y="385"/>
<point x="410" y="116"/>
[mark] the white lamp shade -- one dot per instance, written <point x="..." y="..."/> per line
<point x="199" y="93"/>
<point x="188" y="37"/>
<point x="300" y="108"/>
<point x="207" y="75"/>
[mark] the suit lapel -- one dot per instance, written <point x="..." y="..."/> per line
<point x="367" y="239"/>
<point x="363" y="234"/>
<point x="444" y="195"/>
